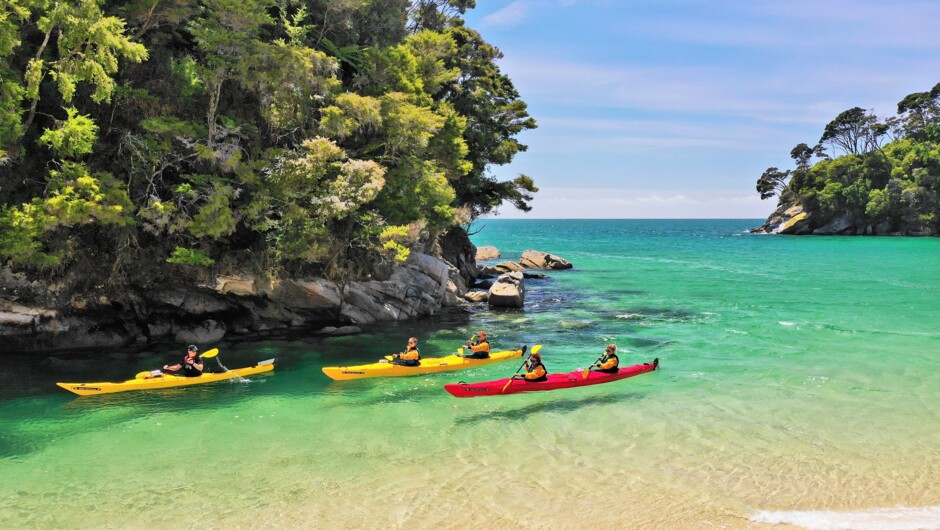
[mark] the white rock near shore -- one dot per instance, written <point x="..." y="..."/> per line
<point x="508" y="291"/>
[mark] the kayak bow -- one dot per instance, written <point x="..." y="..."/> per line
<point x="554" y="382"/>
<point x="164" y="381"/>
<point x="427" y="366"/>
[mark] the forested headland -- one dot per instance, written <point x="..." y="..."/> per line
<point x="148" y="137"/>
<point x="865" y="175"/>
<point x="275" y="149"/>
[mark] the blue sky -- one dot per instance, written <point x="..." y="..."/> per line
<point x="673" y="109"/>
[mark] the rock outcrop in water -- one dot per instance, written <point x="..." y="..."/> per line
<point x="536" y="259"/>
<point x="39" y="316"/>
<point x="232" y="305"/>
<point x="794" y="220"/>
<point x="487" y="253"/>
<point x="508" y="291"/>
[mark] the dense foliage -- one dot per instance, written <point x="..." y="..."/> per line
<point x="292" y="136"/>
<point x="887" y="172"/>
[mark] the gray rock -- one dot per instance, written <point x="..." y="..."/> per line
<point x="316" y="294"/>
<point x="346" y="330"/>
<point x="207" y="332"/>
<point x="508" y="291"/>
<point x="839" y="226"/>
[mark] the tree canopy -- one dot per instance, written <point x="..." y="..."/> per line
<point x="291" y="136"/>
<point x="895" y="183"/>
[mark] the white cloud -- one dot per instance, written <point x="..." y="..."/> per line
<point x="510" y="15"/>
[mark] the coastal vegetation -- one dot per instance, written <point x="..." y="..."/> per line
<point x="142" y="138"/>
<point x="865" y="175"/>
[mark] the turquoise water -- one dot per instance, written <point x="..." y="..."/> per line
<point x="799" y="383"/>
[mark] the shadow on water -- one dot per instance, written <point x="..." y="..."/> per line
<point x="560" y="406"/>
<point x="34" y="423"/>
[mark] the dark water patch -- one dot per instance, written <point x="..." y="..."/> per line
<point x="558" y="405"/>
<point x="626" y="292"/>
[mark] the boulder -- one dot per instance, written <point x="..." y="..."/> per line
<point x="315" y="294"/>
<point x="477" y="296"/>
<point x="508" y="291"/>
<point x="487" y="253"/>
<point x="536" y="259"/>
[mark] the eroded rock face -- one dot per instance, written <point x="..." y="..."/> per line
<point x="536" y="259"/>
<point x="508" y="291"/>
<point x="203" y="314"/>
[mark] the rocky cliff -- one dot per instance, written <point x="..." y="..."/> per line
<point x="39" y="316"/>
<point x="790" y="217"/>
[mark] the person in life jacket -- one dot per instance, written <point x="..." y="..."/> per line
<point x="609" y="363"/>
<point x="479" y="346"/>
<point x="534" y="369"/>
<point x="191" y="364"/>
<point x="410" y="357"/>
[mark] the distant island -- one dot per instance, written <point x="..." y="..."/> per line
<point x="885" y="181"/>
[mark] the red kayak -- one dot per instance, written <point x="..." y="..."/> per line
<point x="554" y="382"/>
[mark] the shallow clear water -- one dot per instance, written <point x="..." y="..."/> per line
<point x="799" y="383"/>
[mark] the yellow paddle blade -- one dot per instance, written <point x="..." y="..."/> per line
<point x="210" y="353"/>
<point x="507" y="384"/>
<point x="536" y="348"/>
<point x="584" y="374"/>
<point x="459" y="351"/>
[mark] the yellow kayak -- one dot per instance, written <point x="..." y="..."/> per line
<point x="164" y="381"/>
<point x="427" y="366"/>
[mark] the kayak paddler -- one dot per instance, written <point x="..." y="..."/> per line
<point x="410" y="357"/>
<point x="534" y="369"/>
<point x="479" y="346"/>
<point x="608" y="363"/>
<point x="191" y="364"/>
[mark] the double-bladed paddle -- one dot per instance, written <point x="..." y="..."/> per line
<point x="586" y="371"/>
<point x="535" y="349"/>
<point x="207" y="355"/>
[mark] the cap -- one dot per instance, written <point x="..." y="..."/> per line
<point x="192" y="347"/>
